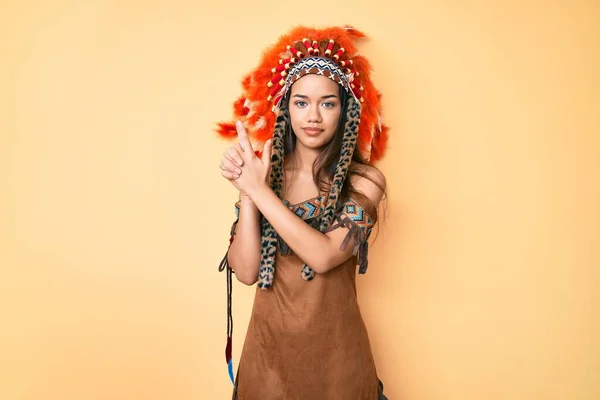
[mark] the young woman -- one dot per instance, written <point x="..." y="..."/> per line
<point x="307" y="206"/>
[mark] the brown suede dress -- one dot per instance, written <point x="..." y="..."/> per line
<point x="307" y="340"/>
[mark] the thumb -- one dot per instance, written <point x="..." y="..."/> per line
<point x="266" y="154"/>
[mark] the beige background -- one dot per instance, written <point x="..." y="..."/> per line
<point x="113" y="219"/>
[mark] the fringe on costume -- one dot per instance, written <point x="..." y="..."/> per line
<point x="360" y="238"/>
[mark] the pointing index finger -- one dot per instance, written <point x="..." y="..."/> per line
<point x="243" y="137"/>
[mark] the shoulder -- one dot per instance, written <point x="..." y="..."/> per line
<point x="370" y="181"/>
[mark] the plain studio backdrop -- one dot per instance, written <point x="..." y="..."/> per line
<point x="483" y="281"/>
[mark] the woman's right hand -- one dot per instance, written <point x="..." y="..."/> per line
<point x="230" y="170"/>
<point x="230" y="164"/>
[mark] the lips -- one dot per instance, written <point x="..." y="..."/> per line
<point x="312" y="131"/>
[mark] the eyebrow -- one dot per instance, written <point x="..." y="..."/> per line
<point x="328" y="96"/>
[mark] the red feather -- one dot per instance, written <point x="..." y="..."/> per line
<point x="379" y="144"/>
<point x="355" y="33"/>
<point x="227" y="130"/>
<point x="239" y="107"/>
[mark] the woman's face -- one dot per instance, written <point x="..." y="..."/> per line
<point x="315" y="109"/>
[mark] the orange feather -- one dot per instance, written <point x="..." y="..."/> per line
<point x="256" y="91"/>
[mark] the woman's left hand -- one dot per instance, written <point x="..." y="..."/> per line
<point x="255" y="171"/>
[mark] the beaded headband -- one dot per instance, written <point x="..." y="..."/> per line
<point x="313" y="65"/>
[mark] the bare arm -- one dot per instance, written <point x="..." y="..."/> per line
<point x="321" y="251"/>
<point x="243" y="255"/>
<point x="244" y="252"/>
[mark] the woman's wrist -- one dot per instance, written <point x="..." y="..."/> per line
<point x="256" y="191"/>
<point x="245" y="198"/>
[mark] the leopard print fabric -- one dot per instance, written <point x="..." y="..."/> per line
<point x="266" y="273"/>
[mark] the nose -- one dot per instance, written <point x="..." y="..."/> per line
<point x="314" y="114"/>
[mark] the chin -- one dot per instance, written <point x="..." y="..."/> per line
<point x="314" y="142"/>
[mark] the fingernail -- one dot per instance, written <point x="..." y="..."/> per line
<point x="239" y="123"/>
<point x="239" y="171"/>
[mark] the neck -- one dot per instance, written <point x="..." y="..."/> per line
<point x="303" y="158"/>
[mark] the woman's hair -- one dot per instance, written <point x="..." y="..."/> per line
<point x="325" y="164"/>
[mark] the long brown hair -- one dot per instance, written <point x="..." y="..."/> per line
<point x="326" y="162"/>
